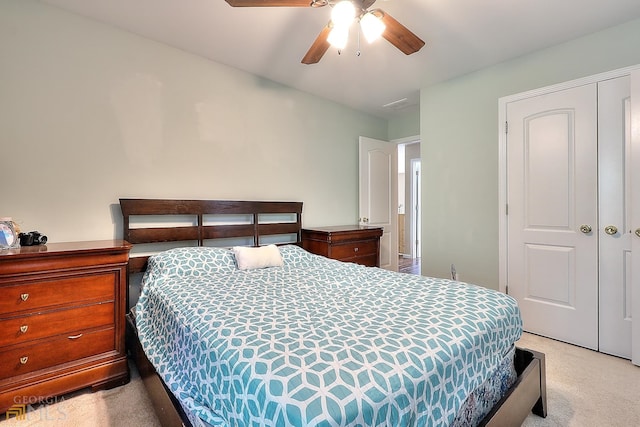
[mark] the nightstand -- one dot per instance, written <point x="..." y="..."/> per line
<point x="349" y="243"/>
<point x="62" y="317"/>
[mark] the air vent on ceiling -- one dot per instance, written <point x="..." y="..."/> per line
<point x="397" y="105"/>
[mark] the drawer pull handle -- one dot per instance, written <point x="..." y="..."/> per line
<point x="24" y="328"/>
<point x="24" y="297"/>
<point x="24" y="360"/>
<point x="74" y="337"/>
<point x="355" y="249"/>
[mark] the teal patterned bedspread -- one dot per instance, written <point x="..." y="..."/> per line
<point x="317" y="342"/>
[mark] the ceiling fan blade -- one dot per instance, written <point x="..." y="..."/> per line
<point x="399" y="35"/>
<point x="318" y="48"/>
<point x="269" y="3"/>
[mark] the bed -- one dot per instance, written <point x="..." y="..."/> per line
<point x="237" y="337"/>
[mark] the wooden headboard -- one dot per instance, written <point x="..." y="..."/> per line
<point x="256" y="228"/>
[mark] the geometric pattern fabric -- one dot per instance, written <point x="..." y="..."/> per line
<point x="317" y="342"/>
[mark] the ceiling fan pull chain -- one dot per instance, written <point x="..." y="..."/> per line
<point x="358" y="51"/>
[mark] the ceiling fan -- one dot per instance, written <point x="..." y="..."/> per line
<point x="374" y="23"/>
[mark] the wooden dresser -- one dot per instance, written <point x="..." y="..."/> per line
<point x="350" y="243"/>
<point x="62" y="319"/>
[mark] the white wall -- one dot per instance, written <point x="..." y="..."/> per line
<point x="459" y="134"/>
<point x="90" y="113"/>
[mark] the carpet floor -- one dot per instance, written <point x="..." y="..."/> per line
<point x="125" y="406"/>
<point x="584" y="389"/>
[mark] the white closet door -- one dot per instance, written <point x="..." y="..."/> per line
<point x="614" y="184"/>
<point x="552" y="221"/>
<point x="635" y="212"/>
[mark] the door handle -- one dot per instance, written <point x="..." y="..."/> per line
<point x="585" y="228"/>
<point x="638" y="232"/>
<point x="611" y="230"/>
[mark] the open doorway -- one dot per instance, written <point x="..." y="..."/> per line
<point x="409" y="207"/>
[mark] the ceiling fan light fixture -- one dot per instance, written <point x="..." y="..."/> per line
<point x="343" y="14"/>
<point x="338" y="37"/>
<point x="372" y="26"/>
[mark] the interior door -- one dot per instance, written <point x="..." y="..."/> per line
<point x="378" y="195"/>
<point x="416" y="209"/>
<point x="614" y="192"/>
<point x="635" y="212"/>
<point x="552" y="213"/>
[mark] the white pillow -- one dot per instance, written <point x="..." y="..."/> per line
<point x="249" y="258"/>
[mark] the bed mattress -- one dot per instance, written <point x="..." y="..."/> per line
<point x="318" y="341"/>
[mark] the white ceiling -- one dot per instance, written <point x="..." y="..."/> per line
<point x="461" y="36"/>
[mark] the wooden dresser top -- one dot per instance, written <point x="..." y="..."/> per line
<point x="341" y="228"/>
<point x="51" y="249"/>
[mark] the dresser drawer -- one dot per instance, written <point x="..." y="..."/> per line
<point x="62" y="308"/>
<point x="26" y="328"/>
<point x="369" y="260"/>
<point x="354" y="249"/>
<point x="46" y="353"/>
<point x="37" y="295"/>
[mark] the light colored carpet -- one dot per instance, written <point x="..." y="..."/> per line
<point x="128" y="406"/>
<point x="584" y="389"/>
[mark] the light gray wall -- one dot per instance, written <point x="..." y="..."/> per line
<point x="459" y="134"/>
<point x="90" y="113"/>
<point x="405" y="125"/>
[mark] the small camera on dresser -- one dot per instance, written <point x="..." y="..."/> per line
<point x="32" y="238"/>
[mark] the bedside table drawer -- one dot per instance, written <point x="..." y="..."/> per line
<point x="369" y="260"/>
<point x="359" y="244"/>
<point x="26" y="328"/>
<point x="44" y="354"/>
<point x="354" y="249"/>
<point x="37" y="295"/>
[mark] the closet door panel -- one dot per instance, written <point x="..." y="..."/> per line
<point x="614" y="231"/>
<point x="552" y="220"/>
<point x="635" y="216"/>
